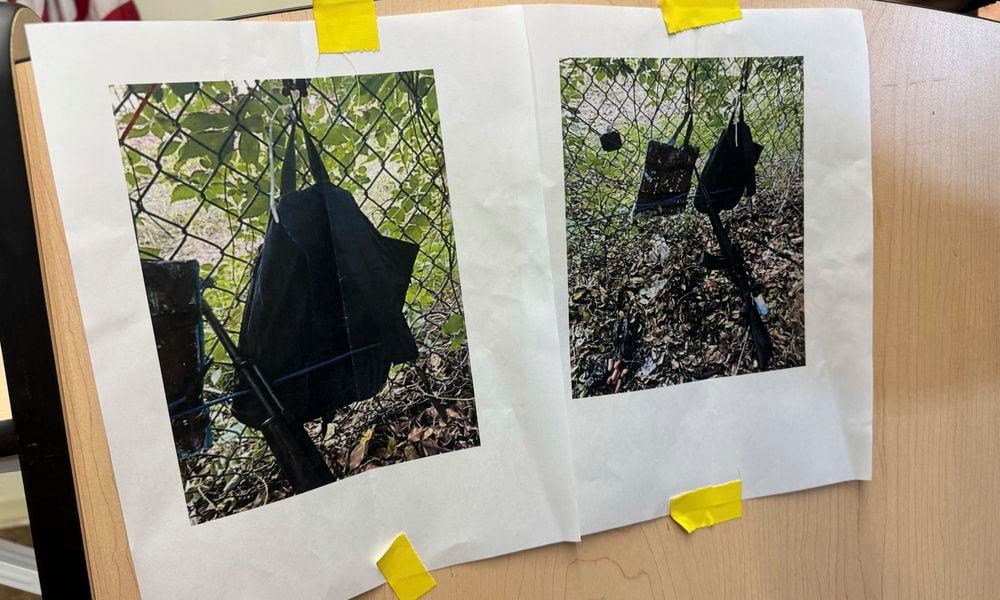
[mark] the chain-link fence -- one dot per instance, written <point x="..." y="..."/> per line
<point x="643" y="268"/>
<point x="200" y="160"/>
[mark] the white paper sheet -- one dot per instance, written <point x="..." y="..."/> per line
<point x="779" y="431"/>
<point x="513" y="492"/>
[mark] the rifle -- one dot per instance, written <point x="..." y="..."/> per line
<point x="736" y="269"/>
<point x="294" y="452"/>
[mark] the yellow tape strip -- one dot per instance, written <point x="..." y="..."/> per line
<point x="686" y="14"/>
<point x="707" y="506"/>
<point x="405" y="572"/>
<point x="345" y="25"/>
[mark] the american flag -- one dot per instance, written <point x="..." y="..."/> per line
<point x="82" y="10"/>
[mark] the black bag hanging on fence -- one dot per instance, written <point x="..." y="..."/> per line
<point x="666" y="174"/>
<point x="731" y="168"/>
<point x="324" y="320"/>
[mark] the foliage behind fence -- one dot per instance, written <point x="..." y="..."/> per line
<point x="643" y="99"/>
<point x="197" y="165"/>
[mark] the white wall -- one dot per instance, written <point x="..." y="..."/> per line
<point x="179" y="10"/>
<point x="13" y="511"/>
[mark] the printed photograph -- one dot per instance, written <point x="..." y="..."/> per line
<point x="296" y="244"/>
<point x="684" y="219"/>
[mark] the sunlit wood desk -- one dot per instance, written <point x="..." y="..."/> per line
<point x="927" y="526"/>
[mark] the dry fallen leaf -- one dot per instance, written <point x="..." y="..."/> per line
<point x="357" y="455"/>
<point x="692" y="323"/>
<point x="358" y="452"/>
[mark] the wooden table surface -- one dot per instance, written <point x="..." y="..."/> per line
<point x="925" y="527"/>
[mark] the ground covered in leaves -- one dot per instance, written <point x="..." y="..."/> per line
<point x="683" y="321"/>
<point x="426" y="409"/>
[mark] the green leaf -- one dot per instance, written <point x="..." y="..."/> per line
<point x="219" y="353"/>
<point x="432" y="104"/>
<point x="425" y="83"/>
<point x="149" y="253"/>
<point x="339" y="134"/>
<point x="205" y="121"/>
<point x="320" y="113"/>
<point x="190" y="150"/>
<point x="249" y="148"/>
<point x="255" y="123"/>
<point x="182" y="192"/>
<point x="213" y="139"/>
<point x="171" y="147"/>
<point x="454" y="325"/>
<point x="199" y="177"/>
<point x="215" y="195"/>
<point x="258" y="206"/>
<point x="182" y="89"/>
<point x="371" y="84"/>
<point x="396" y="214"/>
<point x="414" y="232"/>
<point x="420" y="221"/>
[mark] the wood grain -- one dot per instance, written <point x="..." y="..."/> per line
<point x="925" y="527"/>
<point x="108" y="557"/>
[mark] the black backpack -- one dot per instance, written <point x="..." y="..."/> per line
<point x="323" y="320"/>
<point x="731" y="168"/>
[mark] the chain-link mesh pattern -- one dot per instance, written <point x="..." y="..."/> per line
<point x="644" y="100"/>
<point x="199" y="174"/>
